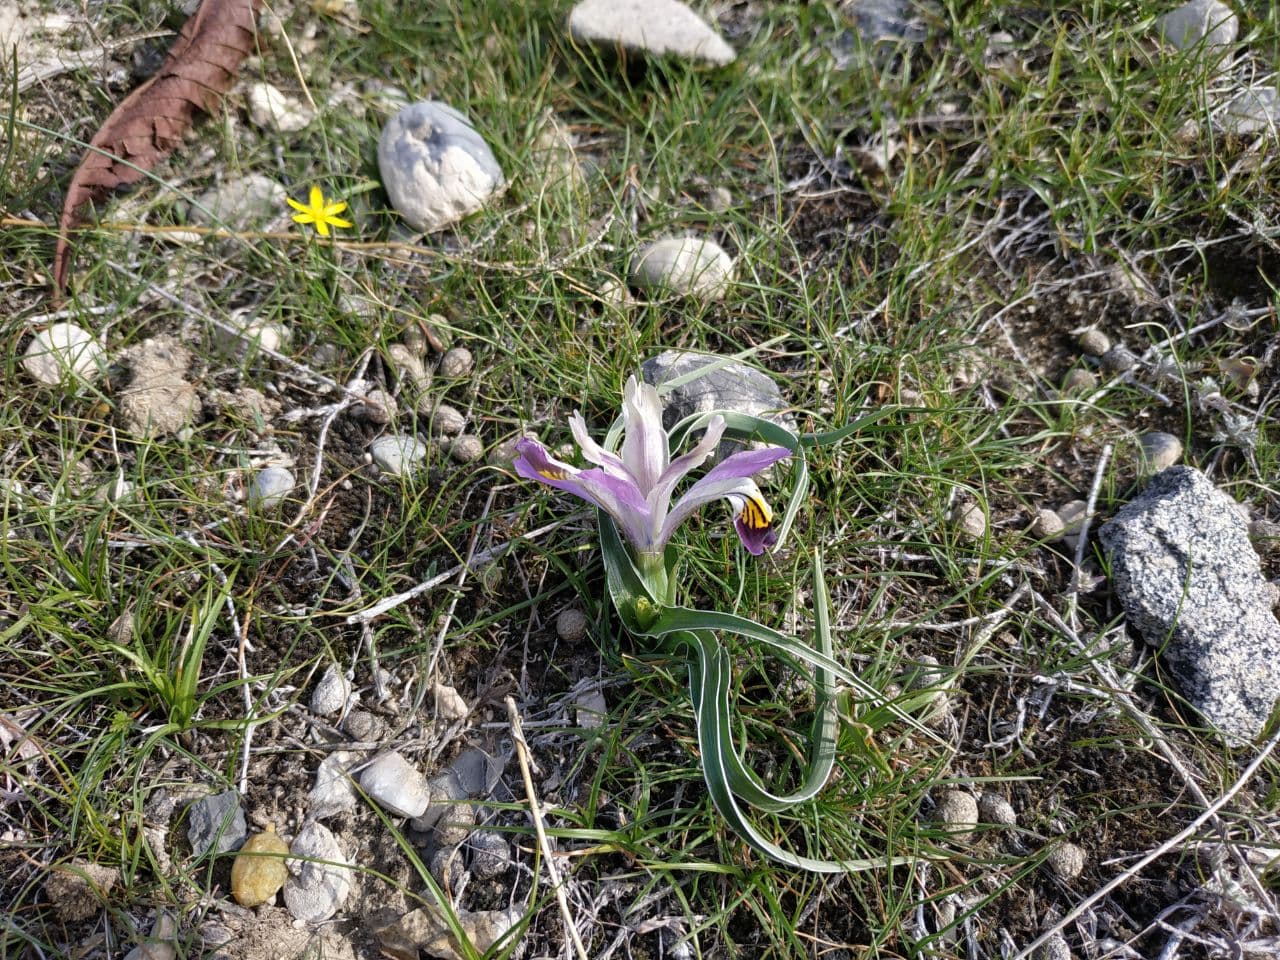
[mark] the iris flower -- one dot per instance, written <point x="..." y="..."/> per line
<point x="319" y="211"/>
<point x="635" y="487"/>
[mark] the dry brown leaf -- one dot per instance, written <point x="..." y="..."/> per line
<point x="151" y="121"/>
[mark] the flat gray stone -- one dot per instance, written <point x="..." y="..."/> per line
<point x="731" y="386"/>
<point x="658" y="27"/>
<point x="1191" y="585"/>
<point x="1209" y="21"/>
<point x="216" y="823"/>
<point x="436" y="168"/>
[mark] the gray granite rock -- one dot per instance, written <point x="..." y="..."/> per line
<point x="216" y="823"/>
<point x="436" y="168"/>
<point x="1209" y="21"/>
<point x="730" y="385"/>
<point x="658" y="27"/>
<point x="1191" y="585"/>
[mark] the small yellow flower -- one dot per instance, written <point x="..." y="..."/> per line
<point x="323" y="215"/>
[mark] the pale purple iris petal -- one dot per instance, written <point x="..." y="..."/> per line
<point x="747" y="463"/>
<point x="616" y="496"/>
<point x="748" y="502"/>
<point x="593" y="452"/>
<point x="644" y="442"/>
<point x="660" y="496"/>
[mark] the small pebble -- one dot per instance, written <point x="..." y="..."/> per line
<point x="444" y="420"/>
<point x="1072" y="515"/>
<point x="994" y="808"/>
<point x="258" y="871"/>
<point x="456" y="362"/>
<point x="216" y="823"/>
<point x="64" y="352"/>
<point x="1119" y="359"/>
<point x="571" y="625"/>
<point x="435" y="166"/>
<point x="379" y="407"/>
<point x="318" y="885"/>
<point x="331" y="692"/>
<point x="271" y="109"/>
<point x="1078" y="380"/>
<point x="970" y="520"/>
<point x="1094" y="342"/>
<point x="957" y="811"/>
<point x="688" y="266"/>
<point x="466" y="448"/>
<point x="1047" y="525"/>
<point x="1159" y="451"/>
<point x="333" y="791"/>
<point x="1055" y="948"/>
<point x="503" y="453"/>
<point x="447" y="867"/>
<point x="270" y="488"/>
<point x="590" y="708"/>
<point x="490" y="854"/>
<point x="396" y="784"/>
<point x="364" y="727"/>
<point x="397" y="455"/>
<point x="1066" y="860"/>
<point x="455" y="825"/>
<point x="449" y="703"/>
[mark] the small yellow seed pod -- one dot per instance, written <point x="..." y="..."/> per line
<point x="258" y="870"/>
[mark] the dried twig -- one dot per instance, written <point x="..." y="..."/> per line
<point x="535" y="814"/>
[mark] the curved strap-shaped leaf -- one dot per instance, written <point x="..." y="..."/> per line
<point x="708" y="677"/>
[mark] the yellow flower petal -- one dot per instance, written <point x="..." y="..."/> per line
<point x="296" y="205"/>
<point x="322" y="228"/>
<point x="317" y="198"/>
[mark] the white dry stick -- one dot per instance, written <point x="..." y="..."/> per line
<point x="1073" y="591"/>
<point x="1173" y="843"/>
<point x="535" y="814"/>
<point x="484" y="556"/>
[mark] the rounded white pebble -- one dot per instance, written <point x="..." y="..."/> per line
<point x="63" y="352"/>
<point x="689" y="266"/>
<point x="396" y="784"/>
<point x="270" y="487"/>
<point x="397" y="455"/>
